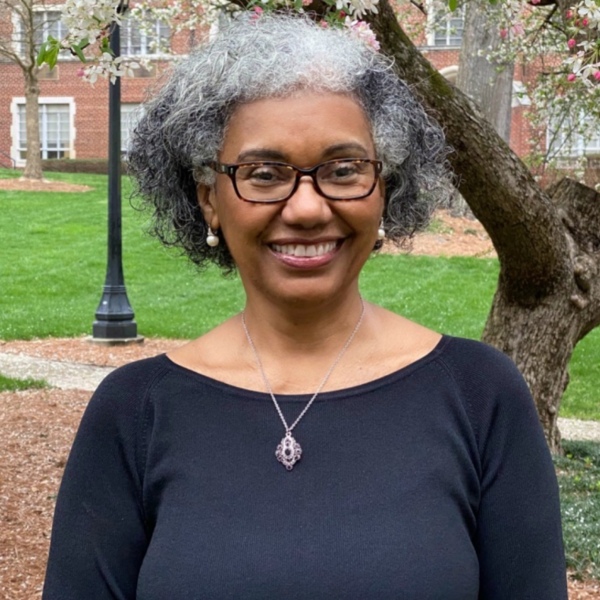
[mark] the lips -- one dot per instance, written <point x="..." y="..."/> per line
<point x="304" y="250"/>
<point x="304" y="254"/>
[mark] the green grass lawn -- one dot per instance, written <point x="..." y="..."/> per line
<point x="53" y="262"/>
<point x="8" y="384"/>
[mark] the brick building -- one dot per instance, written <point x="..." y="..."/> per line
<point x="74" y="114"/>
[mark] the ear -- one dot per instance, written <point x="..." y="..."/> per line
<point x="207" y="202"/>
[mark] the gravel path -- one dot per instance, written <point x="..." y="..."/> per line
<point x="69" y="375"/>
<point x="64" y="375"/>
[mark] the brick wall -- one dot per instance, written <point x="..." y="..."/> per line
<point x="90" y="103"/>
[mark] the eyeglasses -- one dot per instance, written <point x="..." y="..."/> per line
<point x="341" y="179"/>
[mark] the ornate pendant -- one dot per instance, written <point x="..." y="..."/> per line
<point x="288" y="451"/>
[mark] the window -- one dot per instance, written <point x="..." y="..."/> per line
<point x="55" y="131"/>
<point x="45" y="23"/>
<point x="570" y="138"/>
<point x="130" y="115"/>
<point x="445" y="27"/>
<point x="142" y="39"/>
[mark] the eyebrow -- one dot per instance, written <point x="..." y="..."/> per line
<point x="337" y="150"/>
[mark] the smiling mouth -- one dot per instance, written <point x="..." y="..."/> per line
<point x="305" y="250"/>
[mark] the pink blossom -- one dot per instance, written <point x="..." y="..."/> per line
<point x="80" y="72"/>
<point x="535" y="1"/>
<point x="571" y="77"/>
<point x="571" y="43"/>
<point x="306" y="2"/>
<point x="257" y="12"/>
<point x="363" y="31"/>
<point x="518" y="29"/>
<point x="585" y="22"/>
<point x="597" y="75"/>
<point x="569" y="14"/>
<point x="504" y="33"/>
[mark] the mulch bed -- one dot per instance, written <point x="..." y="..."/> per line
<point x="33" y="185"/>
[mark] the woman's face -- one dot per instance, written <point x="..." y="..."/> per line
<point x="307" y="248"/>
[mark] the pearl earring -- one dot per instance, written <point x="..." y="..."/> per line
<point x="381" y="231"/>
<point x="211" y="238"/>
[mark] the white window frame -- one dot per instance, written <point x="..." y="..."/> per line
<point x="17" y="101"/>
<point x="146" y="38"/>
<point x="434" y="7"/>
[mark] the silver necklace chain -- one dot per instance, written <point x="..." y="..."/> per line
<point x="289" y="450"/>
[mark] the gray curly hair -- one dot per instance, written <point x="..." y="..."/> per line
<point x="275" y="55"/>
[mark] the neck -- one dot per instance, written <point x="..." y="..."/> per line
<point x="319" y="328"/>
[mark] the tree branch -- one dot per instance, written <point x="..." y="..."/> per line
<point x="502" y="193"/>
<point x="12" y="56"/>
<point x="420" y="6"/>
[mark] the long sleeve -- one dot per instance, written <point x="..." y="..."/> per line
<point x="99" y="535"/>
<point x="519" y="536"/>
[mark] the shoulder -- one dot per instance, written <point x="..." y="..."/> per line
<point x="139" y="374"/>
<point x="492" y="389"/>
<point x="121" y="396"/>
<point x="477" y="362"/>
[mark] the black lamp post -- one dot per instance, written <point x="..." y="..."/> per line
<point x="114" y="315"/>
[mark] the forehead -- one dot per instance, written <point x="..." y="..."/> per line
<point x="300" y="128"/>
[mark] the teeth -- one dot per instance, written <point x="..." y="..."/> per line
<point x="304" y="250"/>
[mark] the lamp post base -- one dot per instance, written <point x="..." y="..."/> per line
<point x="114" y="316"/>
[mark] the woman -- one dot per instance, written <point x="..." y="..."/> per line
<point x="314" y="446"/>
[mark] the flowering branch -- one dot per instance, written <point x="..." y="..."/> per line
<point x="89" y="24"/>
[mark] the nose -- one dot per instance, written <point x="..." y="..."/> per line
<point x="306" y="208"/>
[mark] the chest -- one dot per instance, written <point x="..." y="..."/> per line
<point x="382" y="504"/>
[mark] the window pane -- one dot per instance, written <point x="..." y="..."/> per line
<point x="130" y="115"/>
<point x="448" y="26"/>
<point x="55" y="127"/>
<point x="47" y="23"/>
<point x="139" y="40"/>
<point x="570" y="137"/>
<point x="22" y="127"/>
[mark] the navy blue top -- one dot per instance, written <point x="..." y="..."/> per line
<point x="431" y="483"/>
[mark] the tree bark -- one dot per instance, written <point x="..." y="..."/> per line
<point x="487" y="83"/>
<point x="33" y="164"/>
<point x="18" y="47"/>
<point x="548" y="243"/>
<point x="541" y="338"/>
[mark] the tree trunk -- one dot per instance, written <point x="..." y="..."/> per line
<point x="487" y="83"/>
<point x="33" y="165"/>
<point x="541" y="338"/>
<point x="548" y="243"/>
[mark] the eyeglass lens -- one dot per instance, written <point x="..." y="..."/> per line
<point x="269" y="182"/>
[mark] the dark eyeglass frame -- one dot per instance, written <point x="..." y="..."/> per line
<point x="231" y="169"/>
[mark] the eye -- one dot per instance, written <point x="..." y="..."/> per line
<point x="341" y="172"/>
<point x="264" y="175"/>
